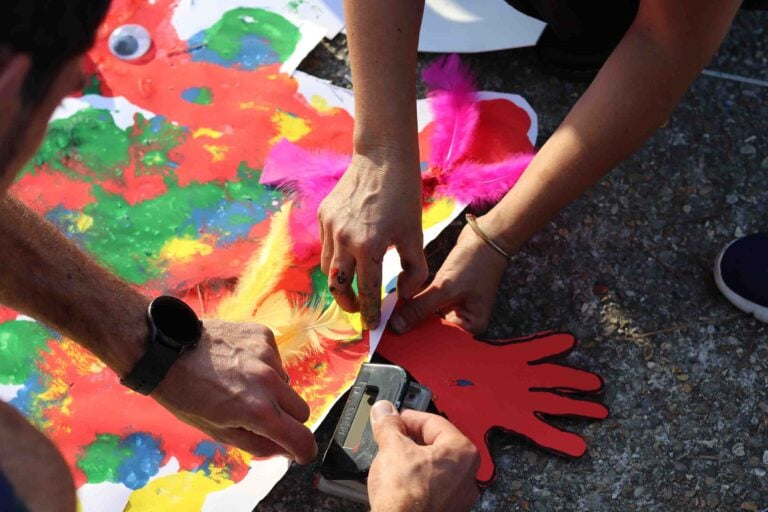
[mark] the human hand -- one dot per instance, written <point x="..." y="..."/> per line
<point x="424" y="463"/>
<point x="463" y="290"/>
<point x="376" y="203"/>
<point x="232" y="386"/>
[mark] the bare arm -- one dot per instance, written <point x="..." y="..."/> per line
<point x="643" y="80"/>
<point x="377" y="203"/>
<point x="236" y="367"/>
<point x="662" y="53"/>
<point x="47" y="277"/>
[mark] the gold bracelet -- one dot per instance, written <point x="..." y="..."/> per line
<point x="472" y="221"/>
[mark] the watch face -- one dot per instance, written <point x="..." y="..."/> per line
<point x="176" y="321"/>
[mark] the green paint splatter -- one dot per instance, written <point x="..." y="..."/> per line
<point x="89" y="136"/>
<point x="92" y="85"/>
<point x="225" y="37"/>
<point x="20" y="345"/>
<point x="129" y="239"/>
<point x="101" y="460"/>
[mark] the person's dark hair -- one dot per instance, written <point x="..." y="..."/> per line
<point x="51" y="32"/>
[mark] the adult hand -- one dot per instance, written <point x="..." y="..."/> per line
<point x="424" y="463"/>
<point x="463" y="290"/>
<point x="377" y="203"/>
<point x="232" y="386"/>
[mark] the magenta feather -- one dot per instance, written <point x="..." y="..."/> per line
<point x="475" y="183"/>
<point x="453" y="101"/>
<point x="308" y="177"/>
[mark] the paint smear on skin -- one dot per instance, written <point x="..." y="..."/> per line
<point x="182" y="491"/>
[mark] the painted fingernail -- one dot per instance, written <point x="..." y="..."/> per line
<point x="397" y="324"/>
<point x="382" y="409"/>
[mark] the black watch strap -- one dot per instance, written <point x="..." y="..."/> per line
<point x="152" y="367"/>
<point x="173" y="329"/>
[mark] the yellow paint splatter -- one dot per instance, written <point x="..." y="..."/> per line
<point x="320" y="104"/>
<point x="252" y="105"/>
<point x="289" y="127"/>
<point x="207" y="132"/>
<point x="438" y="212"/>
<point x="184" y="249"/>
<point x="218" y="152"/>
<point x="80" y="222"/>
<point x="181" y="491"/>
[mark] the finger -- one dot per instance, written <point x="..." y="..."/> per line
<point x="415" y="269"/>
<point x="464" y="322"/>
<point x="340" y="280"/>
<point x="387" y="425"/>
<point x="272" y="357"/>
<point x="248" y="441"/>
<point x="412" y="312"/>
<point x="565" y="378"/>
<point x="369" y="288"/>
<point x="326" y="254"/>
<point x="550" y="403"/>
<point x="551" y="438"/>
<point x="292" y="435"/>
<point x="428" y="429"/>
<point x="292" y="403"/>
<point x="546" y="346"/>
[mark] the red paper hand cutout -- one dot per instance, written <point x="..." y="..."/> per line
<point x="509" y="384"/>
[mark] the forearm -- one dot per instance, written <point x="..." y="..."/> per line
<point x="46" y="276"/>
<point x="632" y="96"/>
<point x="383" y="41"/>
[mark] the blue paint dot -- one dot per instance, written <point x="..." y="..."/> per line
<point x="144" y="462"/>
<point x="464" y="383"/>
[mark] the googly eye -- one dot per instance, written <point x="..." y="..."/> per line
<point x="130" y="42"/>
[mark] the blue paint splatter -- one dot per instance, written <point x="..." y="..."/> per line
<point x="464" y="383"/>
<point x="210" y="451"/>
<point x="255" y="52"/>
<point x="143" y="463"/>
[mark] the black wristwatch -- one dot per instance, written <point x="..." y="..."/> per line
<point x="173" y="329"/>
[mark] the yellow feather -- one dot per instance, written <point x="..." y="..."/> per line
<point x="302" y="330"/>
<point x="263" y="271"/>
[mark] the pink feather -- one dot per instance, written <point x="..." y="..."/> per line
<point x="476" y="183"/>
<point x="308" y="177"/>
<point x="453" y="100"/>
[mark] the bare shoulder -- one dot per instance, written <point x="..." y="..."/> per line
<point x="33" y="465"/>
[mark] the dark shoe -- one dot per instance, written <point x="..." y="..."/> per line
<point x="741" y="274"/>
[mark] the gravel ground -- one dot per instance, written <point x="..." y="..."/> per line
<point x="627" y="268"/>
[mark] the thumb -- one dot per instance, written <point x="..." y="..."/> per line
<point x="387" y="425"/>
<point x="413" y="312"/>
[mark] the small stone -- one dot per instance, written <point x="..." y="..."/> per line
<point x="748" y="150"/>
<point x="753" y="462"/>
<point x="712" y="501"/>
<point x="686" y="388"/>
<point x="687" y="208"/>
<point x="516" y="485"/>
<point x="765" y="457"/>
<point x="683" y="377"/>
<point x="738" y="450"/>
<point x="648" y="352"/>
<point x="764" y="164"/>
<point x="709" y="481"/>
<point x="639" y="491"/>
<point x="563" y="232"/>
<point x="731" y="199"/>
<point x="760" y="473"/>
<point x="738" y="233"/>
<point x="749" y="505"/>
